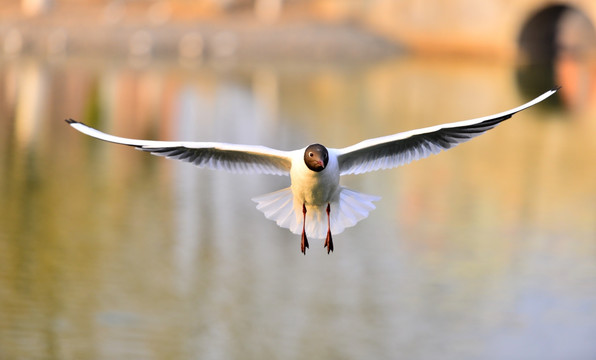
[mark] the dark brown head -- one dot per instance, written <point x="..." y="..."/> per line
<point x="316" y="157"/>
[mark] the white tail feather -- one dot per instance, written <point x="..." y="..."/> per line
<point x="351" y="207"/>
<point x="279" y="206"/>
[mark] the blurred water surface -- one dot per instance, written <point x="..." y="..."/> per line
<point x="487" y="251"/>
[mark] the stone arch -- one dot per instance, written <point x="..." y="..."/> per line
<point x="557" y="46"/>
<point x="556" y="30"/>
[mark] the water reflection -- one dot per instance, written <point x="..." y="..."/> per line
<point x="486" y="251"/>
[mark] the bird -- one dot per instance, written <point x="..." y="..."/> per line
<point x="316" y="205"/>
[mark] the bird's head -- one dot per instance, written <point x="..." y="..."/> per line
<point x="316" y="157"/>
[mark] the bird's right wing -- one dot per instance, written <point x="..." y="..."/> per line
<point x="221" y="156"/>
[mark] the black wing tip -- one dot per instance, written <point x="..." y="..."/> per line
<point x="71" y="121"/>
<point x="556" y="88"/>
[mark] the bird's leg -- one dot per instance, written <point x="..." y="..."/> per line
<point x="304" y="242"/>
<point x="329" y="239"/>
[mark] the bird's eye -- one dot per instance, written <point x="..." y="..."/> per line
<point x="311" y="154"/>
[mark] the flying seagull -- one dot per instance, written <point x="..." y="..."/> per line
<point x="315" y="203"/>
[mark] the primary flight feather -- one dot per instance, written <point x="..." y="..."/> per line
<point x="315" y="204"/>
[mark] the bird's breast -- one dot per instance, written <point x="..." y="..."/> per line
<point x="315" y="188"/>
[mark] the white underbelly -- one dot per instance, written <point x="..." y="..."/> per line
<point x="316" y="191"/>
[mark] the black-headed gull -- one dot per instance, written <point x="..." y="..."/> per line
<point x="315" y="203"/>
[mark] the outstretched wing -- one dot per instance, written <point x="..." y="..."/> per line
<point x="212" y="155"/>
<point x="402" y="148"/>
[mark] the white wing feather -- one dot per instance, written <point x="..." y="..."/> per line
<point x="212" y="155"/>
<point x="402" y="148"/>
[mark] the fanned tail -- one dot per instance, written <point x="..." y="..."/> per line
<point x="279" y="207"/>
<point x="353" y="207"/>
<point x="350" y="207"/>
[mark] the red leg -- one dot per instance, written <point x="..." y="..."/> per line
<point x="304" y="241"/>
<point x="329" y="239"/>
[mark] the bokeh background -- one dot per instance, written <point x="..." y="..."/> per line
<point x="487" y="251"/>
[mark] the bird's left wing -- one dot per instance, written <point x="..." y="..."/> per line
<point x="212" y="155"/>
<point x="402" y="148"/>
